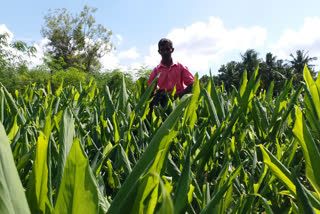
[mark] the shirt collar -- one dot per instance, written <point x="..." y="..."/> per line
<point x="174" y="63"/>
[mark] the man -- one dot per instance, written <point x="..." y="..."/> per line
<point x="171" y="75"/>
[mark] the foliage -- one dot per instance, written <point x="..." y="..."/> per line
<point x="75" y="40"/>
<point x="7" y="55"/>
<point x="87" y="150"/>
<point x="271" y="70"/>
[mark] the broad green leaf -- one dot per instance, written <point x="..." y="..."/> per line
<point x="123" y="102"/>
<point x="79" y="191"/>
<point x="283" y="95"/>
<point x="145" y="97"/>
<point x="124" y="160"/>
<point x="190" y="113"/>
<point x="304" y="204"/>
<point x="278" y="169"/>
<point x="14" y="106"/>
<point x="219" y="195"/>
<point x="247" y="93"/>
<point x="12" y="196"/>
<point x="148" y="156"/>
<point x="2" y="104"/>
<point x="244" y="82"/>
<point x="212" y="109"/>
<point x="149" y="184"/>
<point x="313" y="88"/>
<point x="181" y="193"/>
<point x="65" y="142"/>
<point x="216" y="100"/>
<point x="167" y="205"/>
<point x="14" y="129"/>
<point x="106" y="152"/>
<point x="116" y="132"/>
<point x="58" y="91"/>
<point x="38" y="191"/>
<point x="266" y="204"/>
<point x="270" y="92"/>
<point x="311" y="113"/>
<point x="109" y="103"/>
<point x="147" y="194"/>
<point x="310" y="150"/>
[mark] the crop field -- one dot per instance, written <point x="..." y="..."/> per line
<point x="89" y="151"/>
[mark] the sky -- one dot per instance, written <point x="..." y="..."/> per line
<point x="205" y="33"/>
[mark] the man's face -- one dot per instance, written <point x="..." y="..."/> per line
<point x="165" y="50"/>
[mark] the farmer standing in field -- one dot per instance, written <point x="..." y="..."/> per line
<point x="172" y="74"/>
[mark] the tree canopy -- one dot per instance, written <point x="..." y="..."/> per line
<point x="76" y="40"/>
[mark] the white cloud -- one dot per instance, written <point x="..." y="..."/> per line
<point x="115" y="60"/>
<point x="203" y="44"/>
<point x="306" y="38"/>
<point x="119" y="39"/>
<point x="33" y="60"/>
<point x="38" y="58"/>
<point x="110" y="61"/>
<point x="129" y="54"/>
<point x="4" y="29"/>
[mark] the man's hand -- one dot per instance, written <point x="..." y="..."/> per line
<point x="187" y="90"/>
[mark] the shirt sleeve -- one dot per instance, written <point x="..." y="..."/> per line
<point x="187" y="77"/>
<point x="152" y="76"/>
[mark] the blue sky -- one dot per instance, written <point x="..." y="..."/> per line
<point x="205" y="33"/>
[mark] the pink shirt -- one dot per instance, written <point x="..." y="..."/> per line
<point x="176" y="75"/>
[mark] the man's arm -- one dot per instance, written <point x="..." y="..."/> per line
<point x="187" y="90"/>
<point x="188" y="79"/>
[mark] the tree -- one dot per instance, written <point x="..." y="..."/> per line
<point x="266" y="70"/>
<point x="13" y="62"/>
<point x="271" y="60"/>
<point x="15" y="53"/>
<point x="250" y="61"/>
<point x="230" y="75"/>
<point x="76" y="39"/>
<point x="299" y="61"/>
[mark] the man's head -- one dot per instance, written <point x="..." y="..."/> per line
<point x="165" y="48"/>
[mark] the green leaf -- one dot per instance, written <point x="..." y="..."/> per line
<point x="212" y="109"/>
<point x="181" y="193"/>
<point x="278" y="169"/>
<point x="2" y="104"/>
<point x="38" y="191"/>
<point x="304" y="204"/>
<point x="244" y="82"/>
<point x="167" y="205"/>
<point x="310" y="150"/>
<point x="14" y="129"/>
<point x="14" y="106"/>
<point x="65" y="142"/>
<point x="266" y="204"/>
<point x="12" y="197"/>
<point x="79" y="191"/>
<point x="219" y="195"/>
<point x="270" y="92"/>
<point x="216" y="101"/>
<point x="109" y="104"/>
<point x="190" y="113"/>
<point x="147" y="194"/>
<point x="123" y="99"/>
<point x="313" y="88"/>
<point x="145" y="97"/>
<point x="148" y="156"/>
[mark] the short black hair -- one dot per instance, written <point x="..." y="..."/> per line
<point x="165" y="41"/>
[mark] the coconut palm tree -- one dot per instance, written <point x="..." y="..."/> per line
<point x="267" y="70"/>
<point x="230" y="74"/>
<point x="300" y="60"/>
<point x="250" y="61"/>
